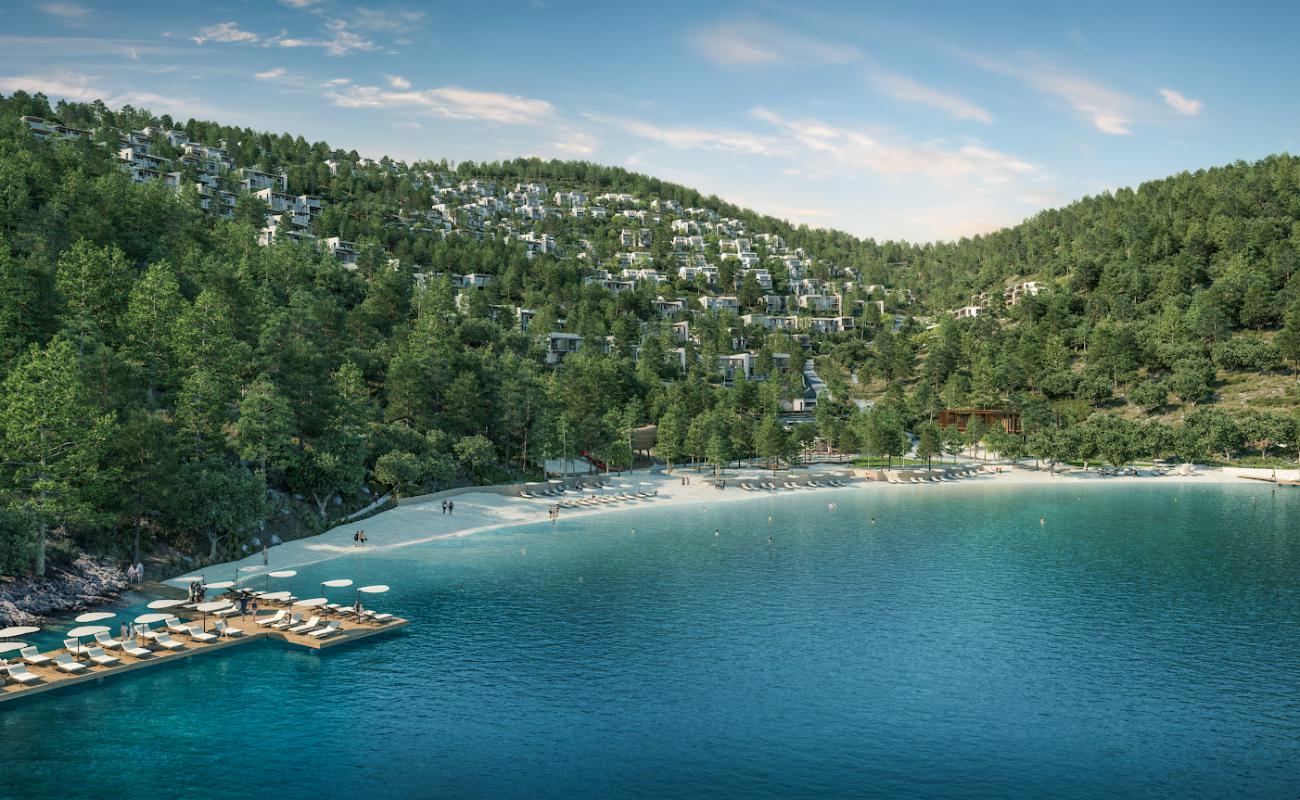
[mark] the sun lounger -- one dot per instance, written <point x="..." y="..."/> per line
<point x="329" y="630"/>
<point x="164" y="640"/>
<point x="274" y="618"/>
<point x="233" y="611"/>
<point x="64" y="663"/>
<point x="74" y="647"/>
<point x="134" y="650"/>
<point x="199" y="635"/>
<point x="371" y="616"/>
<point x="295" y="619"/>
<point x="101" y="658"/>
<point x="107" y="642"/>
<point x="21" y="674"/>
<point x="310" y="624"/>
<point x="225" y="630"/>
<point x="175" y="625"/>
<point x="33" y="656"/>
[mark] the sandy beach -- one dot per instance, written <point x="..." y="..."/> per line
<point x="477" y="512"/>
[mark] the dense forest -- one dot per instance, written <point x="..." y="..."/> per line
<point x="171" y="388"/>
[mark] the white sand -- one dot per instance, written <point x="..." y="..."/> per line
<point x="483" y="511"/>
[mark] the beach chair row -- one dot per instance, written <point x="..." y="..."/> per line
<point x="560" y="491"/>
<point x="78" y="657"/>
<point x="608" y="499"/>
<point x="775" y="486"/>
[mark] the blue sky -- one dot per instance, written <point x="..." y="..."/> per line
<point x="922" y="123"/>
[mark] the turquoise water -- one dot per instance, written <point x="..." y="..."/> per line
<point x="1144" y="641"/>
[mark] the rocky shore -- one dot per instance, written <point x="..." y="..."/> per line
<point x="83" y="584"/>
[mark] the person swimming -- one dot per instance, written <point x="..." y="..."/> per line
<point x="769" y="540"/>
<point x="1042" y="520"/>
<point x="717" y="531"/>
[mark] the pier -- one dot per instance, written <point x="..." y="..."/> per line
<point x="51" y="677"/>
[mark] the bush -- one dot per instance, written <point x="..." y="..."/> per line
<point x="17" y="542"/>
<point x="1246" y="353"/>
<point x="1149" y="395"/>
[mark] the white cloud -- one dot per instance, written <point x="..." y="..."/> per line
<point x="450" y="102"/>
<point x="831" y="149"/>
<point x="684" y="137"/>
<point x="85" y="88"/>
<point x="341" y="41"/>
<point x="392" y="19"/>
<point x="299" y="3"/>
<point x="1180" y="103"/>
<point x="751" y="43"/>
<point x="577" y="143"/>
<point x="398" y="82"/>
<point x="270" y="74"/>
<point x="1108" y="111"/>
<point x="64" y="9"/>
<point x="903" y="88"/>
<point x="225" y="32"/>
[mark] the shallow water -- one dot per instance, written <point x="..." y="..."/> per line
<point x="1143" y="641"/>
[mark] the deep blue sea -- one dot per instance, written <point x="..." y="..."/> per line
<point x="1144" y="641"/>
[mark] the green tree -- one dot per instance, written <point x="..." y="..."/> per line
<point x="53" y="436"/>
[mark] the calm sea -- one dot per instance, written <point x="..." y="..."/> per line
<point x="1143" y="641"/>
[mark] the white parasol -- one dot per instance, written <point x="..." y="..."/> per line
<point x="145" y="619"/>
<point x="337" y="583"/>
<point x="95" y="616"/>
<point x="376" y="589"/>
<point x="161" y="604"/>
<point x="11" y="647"/>
<point x="315" y="602"/>
<point x="20" y="630"/>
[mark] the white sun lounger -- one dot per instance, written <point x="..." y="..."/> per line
<point x="21" y="674"/>
<point x="225" y="630"/>
<point x="310" y="624"/>
<point x="199" y="635"/>
<point x="328" y="630"/>
<point x="175" y="625"/>
<point x="380" y="618"/>
<point x="107" y="642"/>
<point x="101" y="658"/>
<point x="295" y="619"/>
<point x="274" y="618"/>
<point x="64" y="662"/>
<point x="165" y="640"/>
<point x="135" y="650"/>
<point x="33" y="656"/>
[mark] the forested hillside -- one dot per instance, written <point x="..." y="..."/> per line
<point x="172" y="387"/>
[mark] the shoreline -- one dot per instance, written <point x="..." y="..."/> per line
<point x="480" y="512"/>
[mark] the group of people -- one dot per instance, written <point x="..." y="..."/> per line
<point x="686" y="480"/>
<point x="448" y="506"/>
<point x="197" y="592"/>
<point x="134" y="572"/>
<point x="359" y="538"/>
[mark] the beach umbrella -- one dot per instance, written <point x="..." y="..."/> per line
<point x="86" y="630"/>
<point x="19" y="630"/>
<point x="219" y="585"/>
<point x="95" y="616"/>
<point x="315" y="602"/>
<point x="248" y="568"/>
<point x="279" y="573"/>
<point x="211" y="605"/>
<point x="161" y="604"/>
<point x="337" y="583"/>
<point x="376" y="589"/>
<point x="11" y="647"/>
<point x="145" y="619"/>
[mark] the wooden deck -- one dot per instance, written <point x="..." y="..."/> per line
<point x="52" y="678"/>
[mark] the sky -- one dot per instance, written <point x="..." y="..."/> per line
<point x="931" y="122"/>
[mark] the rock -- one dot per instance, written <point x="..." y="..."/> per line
<point x="86" y="583"/>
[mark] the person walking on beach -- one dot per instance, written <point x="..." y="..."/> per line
<point x="356" y="538"/>
<point x="363" y="537"/>
<point x="265" y="555"/>
<point x="451" y="506"/>
<point x="444" y="506"/>
<point x="124" y="639"/>
<point x="253" y="607"/>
